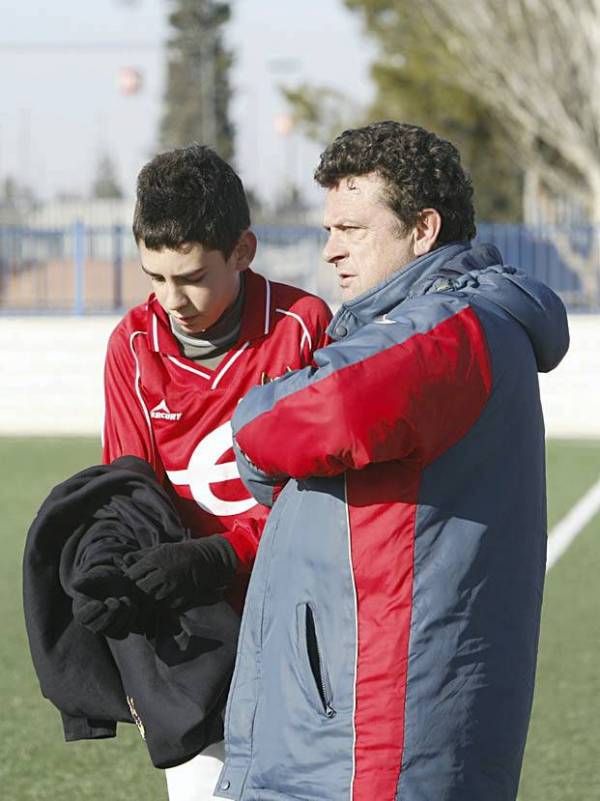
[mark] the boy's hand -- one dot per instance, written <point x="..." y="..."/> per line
<point x="107" y="602"/>
<point x="181" y="573"/>
<point x="112" y="617"/>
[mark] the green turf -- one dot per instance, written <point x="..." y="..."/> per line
<point x="562" y="754"/>
<point x="35" y="762"/>
<point x="562" y="757"/>
<point x="571" y="468"/>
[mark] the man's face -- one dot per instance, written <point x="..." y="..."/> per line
<point x="365" y="242"/>
<point x="195" y="286"/>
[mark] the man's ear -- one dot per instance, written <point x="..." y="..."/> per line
<point x="245" y="250"/>
<point x="426" y="231"/>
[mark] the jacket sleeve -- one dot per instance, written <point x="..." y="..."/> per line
<point x="127" y="427"/>
<point x="409" y="388"/>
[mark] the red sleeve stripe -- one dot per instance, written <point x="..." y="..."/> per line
<point x="382" y="513"/>
<point x="412" y="399"/>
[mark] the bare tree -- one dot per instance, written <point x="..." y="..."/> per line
<point x="537" y="63"/>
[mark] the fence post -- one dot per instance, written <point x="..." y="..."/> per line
<point x="79" y="266"/>
<point x="4" y="263"/>
<point x="117" y="267"/>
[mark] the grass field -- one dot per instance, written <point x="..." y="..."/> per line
<point x="562" y="761"/>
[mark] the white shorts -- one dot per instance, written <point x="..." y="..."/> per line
<point x="196" y="779"/>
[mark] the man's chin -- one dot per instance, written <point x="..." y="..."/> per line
<point x="350" y="293"/>
<point x="347" y="292"/>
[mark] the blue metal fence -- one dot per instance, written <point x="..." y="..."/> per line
<point x="83" y="270"/>
<point x="565" y="258"/>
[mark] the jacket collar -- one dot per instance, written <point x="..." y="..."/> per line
<point x="257" y="317"/>
<point x="390" y="293"/>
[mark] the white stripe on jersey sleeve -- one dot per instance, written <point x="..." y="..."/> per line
<point x="267" y="306"/>
<point x="155" y="332"/>
<point x="138" y="392"/>
<point x="306" y="335"/>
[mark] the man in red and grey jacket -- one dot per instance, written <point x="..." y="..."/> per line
<point x="389" y="637"/>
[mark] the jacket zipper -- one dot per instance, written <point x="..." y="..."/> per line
<point x="317" y="664"/>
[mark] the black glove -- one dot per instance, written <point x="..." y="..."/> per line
<point x="112" y="617"/>
<point x="108" y="603"/>
<point x="182" y="573"/>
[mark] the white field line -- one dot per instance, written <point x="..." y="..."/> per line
<point x="565" y="531"/>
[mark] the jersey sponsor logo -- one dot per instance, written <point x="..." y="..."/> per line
<point x="204" y="470"/>
<point x="162" y="412"/>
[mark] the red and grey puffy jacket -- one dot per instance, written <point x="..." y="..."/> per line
<point x="389" y="639"/>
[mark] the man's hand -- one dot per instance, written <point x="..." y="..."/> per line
<point x="181" y="573"/>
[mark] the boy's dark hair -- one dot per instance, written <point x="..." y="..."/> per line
<point x="190" y="195"/>
<point x="420" y="170"/>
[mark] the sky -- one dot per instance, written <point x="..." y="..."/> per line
<point x="61" y="106"/>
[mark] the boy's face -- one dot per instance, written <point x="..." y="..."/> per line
<point x="195" y="286"/>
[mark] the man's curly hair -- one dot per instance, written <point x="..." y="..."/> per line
<point x="420" y="170"/>
<point x="190" y="195"/>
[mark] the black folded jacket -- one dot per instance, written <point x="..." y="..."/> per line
<point x="172" y="680"/>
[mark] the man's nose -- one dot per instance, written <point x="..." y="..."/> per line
<point x="333" y="250"/>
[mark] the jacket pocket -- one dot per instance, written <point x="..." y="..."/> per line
<point x="311" y="646"/>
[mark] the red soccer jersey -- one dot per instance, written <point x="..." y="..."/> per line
<point x="176" y="413"/>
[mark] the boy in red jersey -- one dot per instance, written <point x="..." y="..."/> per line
<point x="176" y="368"/>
